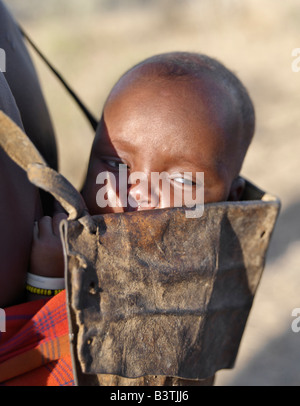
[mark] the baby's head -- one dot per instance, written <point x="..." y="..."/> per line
<point x="178" y="114"/>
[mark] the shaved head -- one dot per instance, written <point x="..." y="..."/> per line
<point x="219" y="84"/>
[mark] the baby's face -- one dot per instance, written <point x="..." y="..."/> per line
<point x="156" y="126"/>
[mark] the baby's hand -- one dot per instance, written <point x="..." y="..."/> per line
<point x="47" y="253"/>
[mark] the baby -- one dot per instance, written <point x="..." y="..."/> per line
<point x="177" y="113"/>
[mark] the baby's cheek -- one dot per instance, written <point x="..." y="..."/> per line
<point x="215" y="194"/>
<point x="89" y="195"/>
<point x="101" y="195"/>
<point x="181" y="196"/>
<point x="90" y="188"/>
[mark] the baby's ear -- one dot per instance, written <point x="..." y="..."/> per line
<point x="237" y="189"/>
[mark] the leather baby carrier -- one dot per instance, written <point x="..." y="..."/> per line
<point x="154" y="297"/>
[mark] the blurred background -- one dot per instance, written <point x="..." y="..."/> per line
<point x="92" y="42"/>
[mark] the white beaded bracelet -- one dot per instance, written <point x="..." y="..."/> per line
<point x="44" y="282"/>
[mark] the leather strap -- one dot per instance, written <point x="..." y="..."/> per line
<point x="24" y="153"/>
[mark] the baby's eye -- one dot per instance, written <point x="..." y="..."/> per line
<point x="185" y="181"/>
<point x="112" y="163"/>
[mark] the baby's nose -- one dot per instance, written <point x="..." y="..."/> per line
<point x="140" y="195"/>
